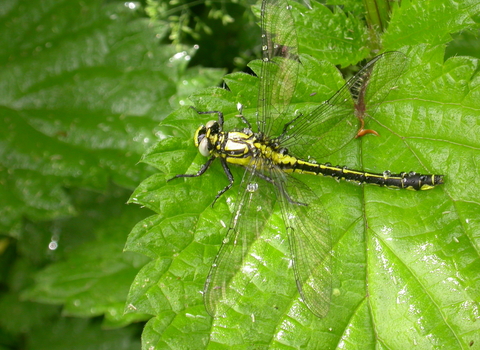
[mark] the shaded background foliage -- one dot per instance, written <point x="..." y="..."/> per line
<point x="84" y="88"/>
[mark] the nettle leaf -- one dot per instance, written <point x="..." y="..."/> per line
<point x="453" y="16"/>
<point x="83" y="88"/>
<point x="343" y="39"/>
<point x="405" y="271"/>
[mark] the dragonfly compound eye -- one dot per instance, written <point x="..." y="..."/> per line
<point x="213" y="127"/>
<point x="205" y="146"/>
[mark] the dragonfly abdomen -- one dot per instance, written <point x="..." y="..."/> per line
<point x="404" y="180"/>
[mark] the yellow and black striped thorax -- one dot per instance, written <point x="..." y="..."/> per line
<point x="236" y="147"/>
<point x="240" y="147"/>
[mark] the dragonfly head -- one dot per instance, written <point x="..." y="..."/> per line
<point x="205" y="137"/>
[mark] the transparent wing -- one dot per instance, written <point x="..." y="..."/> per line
<point x="278" y="75"/>
<point x="252" y="211"/>
<point x="333" y="124"/>
<point x="308" y="234"/>
<point x="310" y="241"/>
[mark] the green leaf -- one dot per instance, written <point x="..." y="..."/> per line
<point x="343" y="39"/>
<point x="31" y="318"/>
<point x="405" y="263"/>
<point x="418" y="22"/>
<point x="83" y="88"/>
<point x="464" y="44"/>
<point x="95" y="277"/>
<point x="83" y="335"/>
<point x="26" y="315"/>
<point x="354" y="7"/>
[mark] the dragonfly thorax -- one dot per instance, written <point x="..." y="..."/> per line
<point x="235" y="147"/>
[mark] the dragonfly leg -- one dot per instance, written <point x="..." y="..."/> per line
<point x="287" y="125"/>
<point x="202" y="170"/>
<point x="241" y="116"/>
<point x="290" y="200"/>
<point x="227" y="171"/>
<point x="220" y="115"/>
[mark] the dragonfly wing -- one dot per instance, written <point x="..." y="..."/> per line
<point x="333" y="124"/>
<point x="279" y="71"/>
<point x="252" y="211"/>
<point x="379" y="77"/>
<point x="310" y="242"/>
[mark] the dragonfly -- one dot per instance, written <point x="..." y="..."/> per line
<point x="279" y="149"/>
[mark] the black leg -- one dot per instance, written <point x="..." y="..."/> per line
<point x="220" y="115"/>
<point x="285" y="127"/>
<point x="290" y="200"/>
<point x="202" y="170"/>
<point x="226" y="169"/>
<point x="241" y="116"/>
<point x="245" y="121"/>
